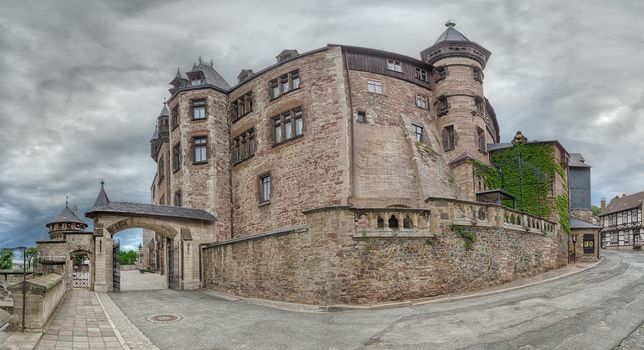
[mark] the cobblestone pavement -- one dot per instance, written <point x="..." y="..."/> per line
<point x="595" y="309"/>
<point x="129" y="333"/>
<point x="135" y="280"/>
<point x="80" y="323"/>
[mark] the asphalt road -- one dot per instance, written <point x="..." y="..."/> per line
<point x="594" y="309"/>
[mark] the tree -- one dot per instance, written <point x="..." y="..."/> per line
<point x="596" y="210"/>
<point x="128" y="257"/>
<point x="32" y="254"/>
<point x="6" y="259"/>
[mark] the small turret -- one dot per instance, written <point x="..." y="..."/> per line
<point x="66" y="221"/>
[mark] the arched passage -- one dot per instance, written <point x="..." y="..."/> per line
<point x="182" y="229"/>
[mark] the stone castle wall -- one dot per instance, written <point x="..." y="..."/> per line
<point x="333" y="261"/>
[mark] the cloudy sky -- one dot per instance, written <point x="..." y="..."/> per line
<point x="81" y="82"/>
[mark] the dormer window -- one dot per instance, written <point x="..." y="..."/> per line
<point x="421" y="74"/>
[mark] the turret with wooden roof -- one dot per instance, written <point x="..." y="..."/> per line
<point x="66" y="221"/>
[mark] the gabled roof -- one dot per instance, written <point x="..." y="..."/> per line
<point x="66" y="215"/>
<point x="623" y="203"/>
<point x="580" y="224"/>
<point x="451" y="34"/>
<point x="210" y="75"/>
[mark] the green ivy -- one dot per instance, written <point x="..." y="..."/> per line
<point x="469" y="238"/>
<point x="564" y="213"/>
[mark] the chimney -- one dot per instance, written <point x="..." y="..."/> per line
<point x="603" y="205"/>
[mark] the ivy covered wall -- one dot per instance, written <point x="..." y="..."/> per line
<point x="528" y="171"/>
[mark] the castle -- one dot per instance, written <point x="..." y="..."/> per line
<point x="343" y="175"/>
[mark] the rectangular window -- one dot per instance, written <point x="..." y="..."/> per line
<point x="161" y="170"/>
<point x="243" y="146"/>
<point x="242" y="106"/>
<point x="442" y="106"/>
<point x="421" y="74"/>
<point x="177" y="198"/>
<point x="421" y="101"/>
<point x="418" y="133"/>
<point x="374" y="86"/>
<point x="480" y="137"/>
<point x="288" y="125"/>
<point x="449" y="138"/>
<point x="198" y="109"/>
<point x="200" y="149"/>
<point x="174" y="117"/>
<point x="176" y="157"/>
<point x="284" y="84"/>
<point x="478" y="74"/>
<point x="265" y="188"/>
<point x="394" y="65"/>
<point x="440" y="74"/>
<point x="362" y="117"/>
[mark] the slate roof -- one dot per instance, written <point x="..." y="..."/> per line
<point x="164" y="112"/>
<point x="451" y="34"/>
<point x="104" y="205"/>
<point x="580" y="224"/>
<point x="623" y="203"/>
<point x="578" y="161"/>
<point x="66" y="215"/>
<point x="210" y="74"/>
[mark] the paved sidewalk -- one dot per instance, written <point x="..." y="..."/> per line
<point x="80" y="323"/>
<point x="130" y="335"/>
<point x="135" y="280"/>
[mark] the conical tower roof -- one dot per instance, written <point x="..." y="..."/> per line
<point x="451" y="34"/>
<point x="67" y="215"/>
<point x="164" y="112"/>
<point x="102" y="199"/>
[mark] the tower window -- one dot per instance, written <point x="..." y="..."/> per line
<point x="440" y="74"/>
<point x="441" y="105"/>
<point x="200" y="147"/>
<point x="449" y="138"/>
<point x="374" y="86"/>
<point x="174" y="117"/>
<point x="477" y="74"/>
<point x="161" y="170"/>
<point x="265" y="188"/>
<point x="421" y="101"/>
<point x="394" y="65"/>
<point x="479" y="106"/>
<point x="198" y="109"/>
<point x="421" y="74"/>
<point x="418" y="133"/>
<point x="362" y="117"/>
<point x="480" y="137"/>
<point x="176" y="157"/>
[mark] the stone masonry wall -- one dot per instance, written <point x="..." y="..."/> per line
<point x="329" y="263"/>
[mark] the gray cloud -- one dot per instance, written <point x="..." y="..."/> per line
<point x="81" y="82"/>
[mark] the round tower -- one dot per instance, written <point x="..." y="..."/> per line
<point x="464" y="118"/>
<point x="66" y="221"/>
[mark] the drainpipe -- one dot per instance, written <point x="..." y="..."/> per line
<point x="352" y="131"/>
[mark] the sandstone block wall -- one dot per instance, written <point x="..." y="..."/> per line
<point x="43" y="295"/>
<point x="331" y="262"/>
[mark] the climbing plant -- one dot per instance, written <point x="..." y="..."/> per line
<point x="469" y="238"/>
<point x="527" y="171"/>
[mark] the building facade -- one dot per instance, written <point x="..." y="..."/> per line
<point x="621" y="221"/>
<point x="350" y="175"/>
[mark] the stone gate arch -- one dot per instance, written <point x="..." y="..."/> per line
<point x="182" y="228"/>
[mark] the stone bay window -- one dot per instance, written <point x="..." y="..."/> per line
<point x="288" y="125"/>
<point x="244" y="146"/>
<point x="198" y="109"/>
<point x="285" y="83"/>
<point x="200" y="149"/>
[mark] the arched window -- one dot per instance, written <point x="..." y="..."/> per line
<point x="393" y="222"/>
<point x="381" y="222"/>
<point x="482" y="214"/>
<point x="407" y="222"/>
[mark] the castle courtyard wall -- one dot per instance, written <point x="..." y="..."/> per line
<point x="340" y="257"/>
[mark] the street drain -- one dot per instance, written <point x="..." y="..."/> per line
<point x="164" y="318"/>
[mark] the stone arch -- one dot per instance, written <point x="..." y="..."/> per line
<point x="155" y="225"/>
<point x="393" y="222"/>
<point x="407" y="222"/>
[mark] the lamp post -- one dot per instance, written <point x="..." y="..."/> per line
<point x="24" y="283"/>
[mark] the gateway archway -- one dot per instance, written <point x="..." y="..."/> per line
<point x="182" y="228"/>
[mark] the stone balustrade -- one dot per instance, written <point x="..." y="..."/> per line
<point x="392" y="222"/>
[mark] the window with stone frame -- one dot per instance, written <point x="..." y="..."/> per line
<point x="394" y="65"/>
<point x="374" y="86"/>
<point x="243" y="146"/>
<point x="174" y="117"/>
<point x="477" y="74"/>
<point x="421" y="74"/>
<point x="440" y="73"/>
<point x="198" y="108"/>
<point x="288" y="125"/>
<point x="242" y="106"/>
<point x="177" y="198"/>
<point x="284" y="83"/>
<point x="480" y="138"/>
<point x="161" y="169"/>
<point x="362" y="117"/>
<point x="200" y="149"/>
<point x="449" y="138"/>
<point x="418" y="132"/>
<point x="265" y="188"/>
<point x="479" y="106"/>
<point x="421" y="102"/>
<point x="441" y="105"/>
<point x="176" y="157"/>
